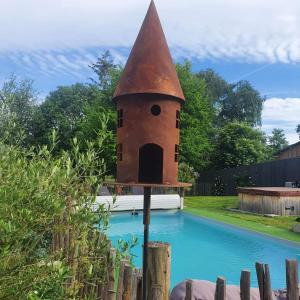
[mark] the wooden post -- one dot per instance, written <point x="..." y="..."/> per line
<point x="120" y="281"/>
<point x="111" y="293"/>
<point x="268" y="294"/>
<point x="245" y="285"/>
<point x="292" y="279"/>
<point x="134" y="283"/>
<point x="146" y="222"/>
<point x="264" y="281"/>
<point x="158" y="275"/>
<point x="107" y="244"/>
<point x="139" y="290"/>
<point x="260" y="279"/>
<point x="189" y="289"/>
<point x="127" y="283"/>
<point x="220" y="293"/>
<point x="181" y="194"/>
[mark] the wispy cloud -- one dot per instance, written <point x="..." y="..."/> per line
<point x="254" y="31"/>
<point x="284" y="114"/>
<point x="51" y="63"/>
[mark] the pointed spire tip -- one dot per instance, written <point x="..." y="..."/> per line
<point x="149" y="68"/>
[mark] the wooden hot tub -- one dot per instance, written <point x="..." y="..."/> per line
<point x="270" y="200"/>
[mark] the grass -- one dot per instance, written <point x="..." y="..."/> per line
<point x="217" y="208"/>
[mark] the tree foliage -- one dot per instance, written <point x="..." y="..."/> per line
<point x="277" y="141"/>
<point x="62" y="111"/>
<point x="298" y="130"/>
<point x="233" y="101"/>
<point x="96" y="119"/>
<point x="79" y="110"/>
<point x="196" y="120"/>
<point x="38" y="188"/>
<point x="239" y="144"/>
<point x="108" y="75"/>
<point x="17" y="107"/>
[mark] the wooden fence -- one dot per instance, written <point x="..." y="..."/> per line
<point x="122" y="281"/>
<point x="264" y="283"/>
<point x="224" y="182"/>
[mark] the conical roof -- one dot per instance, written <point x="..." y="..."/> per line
<point x="150" y="68"/>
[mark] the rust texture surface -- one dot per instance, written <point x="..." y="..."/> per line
<point x="148" y="140"/>
<point x="140" y="127"/>
<point x="149" y="68"/>
<point x="270" y="191"/>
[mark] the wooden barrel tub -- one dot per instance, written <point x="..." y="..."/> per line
<point x="270" y="200"/>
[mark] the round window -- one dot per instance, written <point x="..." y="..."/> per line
<point x="155" y="110"/>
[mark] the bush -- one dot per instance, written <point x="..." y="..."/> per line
<point x="219" y="186"/>
<point x="44" y="199"/>
<point x="243" y="180"/>
<point x="187" y="173"/>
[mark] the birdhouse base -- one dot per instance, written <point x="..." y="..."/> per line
<point x="151" y="185"/>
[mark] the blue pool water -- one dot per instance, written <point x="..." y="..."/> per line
<point x="204" y="249"/>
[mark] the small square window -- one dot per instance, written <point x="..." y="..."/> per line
<point x="119" y="152"/>
<point x="176" y="157"/>
<point x="177" y="119"/>
<point x="120" y="118"/>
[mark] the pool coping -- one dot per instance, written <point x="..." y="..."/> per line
<point x="279" y="239"/>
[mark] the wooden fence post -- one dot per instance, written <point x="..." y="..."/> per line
<point x="107" y="263"/>
<point x="181" y="194"/>
<point x="189" y="289"/>
<point x="134" y="283"/>
<point x="264" y="281"/>
<point x="127" y="283"/>
<point x="139" y="290"/>
<point x="245" y="285"/>
<point x="220" y="293"/>
<point x="120" y="281"/>
<point x="111" y="293"/>
<point x="292" y="279"/>
<point x="158" y="275"/>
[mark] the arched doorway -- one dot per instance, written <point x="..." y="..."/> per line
<point x="151" y="163"/>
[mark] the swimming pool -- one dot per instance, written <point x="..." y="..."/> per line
<point x="205" y="249"/>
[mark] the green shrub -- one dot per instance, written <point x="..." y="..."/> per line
<point x="44" y="197"/>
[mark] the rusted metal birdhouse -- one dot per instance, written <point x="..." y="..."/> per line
<point x="148" y="98"/>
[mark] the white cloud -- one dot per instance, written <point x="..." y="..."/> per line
<point x="284" y="114"/>
<point x="254" y="31"/>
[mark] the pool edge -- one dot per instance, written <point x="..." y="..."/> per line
<point x="293" y="243"/>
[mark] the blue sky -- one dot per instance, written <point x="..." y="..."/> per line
<point x="54" y="41"/>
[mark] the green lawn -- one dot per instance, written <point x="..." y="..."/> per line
<point x="216" y="208"/>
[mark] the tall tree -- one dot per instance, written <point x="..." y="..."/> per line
<point x="239" y="144"/>
<point x="17" y="106"/>
<point x="243" y="104"/>
<point x="298" y="130"/>
<point x="62" y="111"/>
<point x="217" y="87"/>
<point x="233" y="102"/>
<point x="196" y="120"/>
<point x="96" y="118"/>
<point x="277" y="141"/>
<point x="108" y="75"/>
